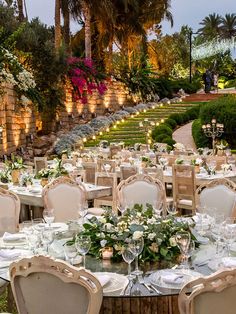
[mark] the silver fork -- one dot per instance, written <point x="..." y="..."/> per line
<point x="142" y="282"/>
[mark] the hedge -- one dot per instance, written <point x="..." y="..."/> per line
<point x="199" y="138"/>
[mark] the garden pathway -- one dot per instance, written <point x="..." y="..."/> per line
<point x="184" y="135"/>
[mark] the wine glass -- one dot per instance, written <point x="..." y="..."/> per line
<point x="70" y="251"/>
<point x="190" y="252"/>
<point x="229" y="232"/>
<point x="47" y="238"/>
<point x="83" y="210"/>
<point x="136" y="247"/>
<point x="183" y="240"/>
<point x="157" y="208"/>
<point x="48" y="216"/>
<point x="172" y="208"/>
<point x="128" y="257"/>
<point x="212" y="165"/>
<point x="83" y="244"/>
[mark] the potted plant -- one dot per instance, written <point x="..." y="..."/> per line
<point x="15" y="165"/>
<point x="44" y="175"/>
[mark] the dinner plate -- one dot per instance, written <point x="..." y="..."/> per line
<point x="57" y="226"/>
<point x="35" y="190"/>
<point x="217" y="264"/>
<point x="116" y="283"/>
<point x="186" y="275"/>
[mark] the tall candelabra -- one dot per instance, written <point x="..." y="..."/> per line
<point x="213" y="130"/>
<point x="147" y="126"/>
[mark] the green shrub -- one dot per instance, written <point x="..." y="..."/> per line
<point x="186" y="86"/>
<point x="177" y="117"/>
<point x="171" y="123"/>
<point x="193" y="112"/>
<point x="159" y="138"/>
<point x="169" y="140"/>
<point x="224" y="110"/>
<point x="162" y="129"/>
<point x="199" y="138"/>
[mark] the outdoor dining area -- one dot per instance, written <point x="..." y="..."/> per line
<point x="119" y="230"/>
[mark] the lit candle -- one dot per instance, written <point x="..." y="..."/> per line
<point x="213" y="121"/>
<point x="107" y="252"/>
<point x="203" y="126"/>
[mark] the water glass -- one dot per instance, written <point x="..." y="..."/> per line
<point x="70" y="251"/>
<point x="172" y="208"/>
<point x="83" y="244"/>
<point x="48" y="216"/>
<point x="183" y="241"/>
<point x="47" y="238"/>
<point x="136" y="247"/>
<point x="229" y="233"/>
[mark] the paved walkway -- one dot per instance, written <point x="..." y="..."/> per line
<point x="184" y="135"/>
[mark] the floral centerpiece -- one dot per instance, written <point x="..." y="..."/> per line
<point x="44" y="175"/>
<point x="115" y="232"/>
<point x="197" y="163"/>
<point x="58" y="170"/>
<point x="146" y="161"/>
<point x="226" y="168"/>
<point x="26" y="179"/>
<point x="179" y="161"/>
<point x="15" y="165"/>
<point x="179" y="146"/>
<point x="5" y="176"/>
<point x="103" y="144"/>
<point x="221" y="146"/>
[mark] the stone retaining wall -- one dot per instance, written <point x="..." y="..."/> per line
<point x="21" y="122"/>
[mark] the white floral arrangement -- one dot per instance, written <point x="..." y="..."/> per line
<point x="196" y="162"/>
<point x="226" y="167"/>
<point x="222" y="145"/>
<point x="179" y="147"/>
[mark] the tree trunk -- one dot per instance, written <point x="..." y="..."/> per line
<point x="66" y="28"/>
<point x="20" y="10"/>
<point x="110" y="54"/>
<point x="57" y="24"/>
<point x="87" y="29"/>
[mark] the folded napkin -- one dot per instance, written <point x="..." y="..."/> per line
<point x="103" y="279"/>
<point x="169" y="277"/>
<point x="9" y="255"/>
<point x="8" y="237"/>
<point x="229" y="262"/>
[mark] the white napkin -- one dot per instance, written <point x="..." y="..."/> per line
<point x="9" y="255"/>
<point x="229" y="262"/>
<point x="8" y="237"/>
<point x="169" y="277"/>
<point x="103" y="279"/>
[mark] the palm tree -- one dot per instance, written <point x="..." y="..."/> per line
<point x="20" y="6"/>
<point x="228" y="26"/>
<point x="211" y="26"/>
<point x="57" y="24"/>
<point x="66" y="23"/>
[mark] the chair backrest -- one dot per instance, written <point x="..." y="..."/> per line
<point x="43" y="285"/>
<point x="141" y="189"/>
<point x="106" y="179"/>
<point x="220" y="160"/>
<point x="155" y="172"/>
<point x="219" y="194"/>
<point x="69" y="161"/>
<point x="40" y="163"/>
<point x="9" y="211"/>
<point x="127" y="171"/>
<point x="90" y="170"/>
<point x="184" y="184"/>
<point x="212" y="294"/>
<point x="114" y="149"/>
<point x="104" y="165"/>
<point x="65" y="196"/>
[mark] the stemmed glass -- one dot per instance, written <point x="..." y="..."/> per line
<point x="83" y="210"/>
<point x="212" y="165"/>
<point x="48" y="216"/>
<point x="83" y="244"/>
<point x="47" y="238"/>
<point x="157" y="208"/>
<point x="128" y="257"/>
<point x="70" y="251"/>
<point x="229" y="232"/>
<point x="190" y="252"/>
<point x="136" y="247"/>
<point x="172" y="208"/>
<point x="182" y="239"/>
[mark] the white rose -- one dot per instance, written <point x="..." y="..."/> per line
<point x="137" y="235"/>
<point x="151" y="236"/>
<point x="151" y="221"/>
<point x="172" y="241"/>
<point x="108" y="226"/>
<point x="103" y="243"/>
<point x="102" y="220"/>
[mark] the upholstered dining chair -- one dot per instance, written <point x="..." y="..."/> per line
<point x="212" y="294"/>
<point x="219" y="194"/>
<point x="184" y="187"/>
<point x="66" y="197"/>
<point x="40" y="163"/>
<point x="155" y="172"/>
<point x="114" y="149"/>
<point x="141" y="189"/>
<point x="9" y="211"/>
<point x="43" y="285"/>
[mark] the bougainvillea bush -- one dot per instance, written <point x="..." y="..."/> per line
<point x="85" y="78"/>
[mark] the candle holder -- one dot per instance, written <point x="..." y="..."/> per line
<point x="213" y="130"/>
<point x="107" y="253"/>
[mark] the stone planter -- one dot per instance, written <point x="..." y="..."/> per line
<point x="15" y="174"/>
